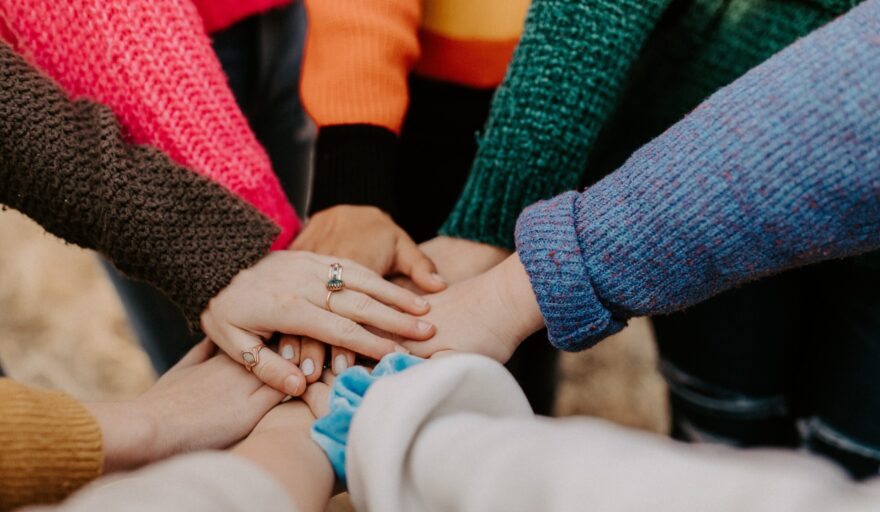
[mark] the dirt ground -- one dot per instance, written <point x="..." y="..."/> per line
<point x="62" y="326"/>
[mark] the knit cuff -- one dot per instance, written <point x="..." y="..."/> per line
<point x="355" y="164"/>
<point x="51" y="446"/>
<point x="547" y="244"/>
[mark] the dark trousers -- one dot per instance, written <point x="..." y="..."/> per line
<point x="789" y="361"/>
<point x="261" y="57"/>
<point x="437" y="147"/>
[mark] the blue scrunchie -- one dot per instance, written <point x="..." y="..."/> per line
<point x="331" y="431"/>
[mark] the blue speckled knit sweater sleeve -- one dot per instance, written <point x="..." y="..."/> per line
<point x="777" y="170"/>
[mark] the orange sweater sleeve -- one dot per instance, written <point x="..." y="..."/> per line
<point x="50" y="446"/>
<point x="357" y="58"/>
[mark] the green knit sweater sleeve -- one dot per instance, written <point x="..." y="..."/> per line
<point x="560" y="88"/>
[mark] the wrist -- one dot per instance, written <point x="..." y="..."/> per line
<point x="309" y="482"/>
<point x="129" y="434"/>
<point x="523" y="313"/>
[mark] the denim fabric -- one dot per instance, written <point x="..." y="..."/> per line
<point x="261" y="56"/>
<point x="790" y="361"/>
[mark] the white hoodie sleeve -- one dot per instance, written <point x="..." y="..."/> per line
<point x="457" y="434"/>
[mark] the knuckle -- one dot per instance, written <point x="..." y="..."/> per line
<point x="347" y="328"/>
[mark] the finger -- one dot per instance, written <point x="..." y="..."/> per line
<point x="339" y="331"/>
<point x="364" y="309"/>
<point x="290" y="348"/>
<point x="411" y="261"/>
<point x="317" y="397"/>
<point x="272" y="369"/>
<point x="201" y="352"/>
<point x="362" y="279"/>
<point x="312" y="358"/>
<point x="341" y="359"/>
<point x="266" y="397"/>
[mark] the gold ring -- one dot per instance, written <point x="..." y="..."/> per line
<point x="251" y="356"/>
<point x="335" y="282"/>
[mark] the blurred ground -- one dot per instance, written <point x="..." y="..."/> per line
<point x="61" y="326"/>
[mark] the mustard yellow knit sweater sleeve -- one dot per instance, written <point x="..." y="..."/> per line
<point x="49" y="445"/>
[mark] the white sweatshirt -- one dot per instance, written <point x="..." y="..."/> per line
<point x="456" y="434"/>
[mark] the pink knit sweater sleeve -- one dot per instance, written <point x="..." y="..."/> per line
<point x="152" y="63"/>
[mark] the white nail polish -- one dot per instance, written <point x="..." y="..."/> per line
<point x="291" y="385"/>
<point x="437" y="277"/>
<point x="287" y="352"/>
<point x="307" y="367"/>
<point x="423" y="326"/>
<point x="340" y="363"/>
<point x="401" y="349"/>
<point x="420" y="302"/>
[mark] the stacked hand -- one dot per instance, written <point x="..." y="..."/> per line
<point x="286" y="293"/>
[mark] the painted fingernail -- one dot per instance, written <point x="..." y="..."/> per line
<point x="307" y="367"/>
<point x="401" y="349"/>
<point x="287" y="352"/>
<point x="340" y="363"/>
<point x="420" y="302"/>
<point x="424" y="326"/>
<point x="291" y="385"/>
<point x="437" y="277"/>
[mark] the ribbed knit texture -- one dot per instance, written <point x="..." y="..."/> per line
<point x="355" y="164"/>
<point x="573" y="65"/>
<point x="65" y="165"/>
<point x="51" y="446"/>
<point x="151" y="62"/>
<point x="780" y="169"/>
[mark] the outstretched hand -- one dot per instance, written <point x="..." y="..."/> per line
<point x="490" y="314"/>
<point x="285" y="292"/>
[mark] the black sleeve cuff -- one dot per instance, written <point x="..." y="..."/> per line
<point x="354" y="164"/>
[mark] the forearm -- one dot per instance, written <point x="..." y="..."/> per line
<point x="296" y="462"/>
<point x="51" y="446"/>
<point x="777" y="170"/>
<point x="65" y="165"/>
<point x="561" y="86"/>
<point x="152" y="64"/>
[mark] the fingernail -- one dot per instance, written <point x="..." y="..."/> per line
<point x="401" y="349"/>
<point x="340" y="363"/>
<point x="307" y="367"/>
<point x="424" y="326"/>
<point x="420" y="302"/>
<point x="291" y="385"/>
<point x="437" y="277"/>
<point x="287" y="352"/>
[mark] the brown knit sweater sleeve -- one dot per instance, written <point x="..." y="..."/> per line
<point x="49" y="446"/>
<point x="64" y="163"/>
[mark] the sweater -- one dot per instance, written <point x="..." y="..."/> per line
<point x="575" y="64"/>
<point x="51" y="446"/>
<point x="198" y="482"/>
<point x="358" y="57"/>
<point x="65" y="165"/>
<point x="777" y="170"/>
<point x="457" y="433"/>
<point x="151" y="62"/>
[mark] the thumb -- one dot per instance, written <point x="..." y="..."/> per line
<point x="412" y="262"/>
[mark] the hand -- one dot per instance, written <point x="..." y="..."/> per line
<point x="203" y="402"/>
<point x="282" y="445"/>
<point x="458" y="259"/>
<point x="367" y="235"/>
<point x="490" y="314"/>
<point x="285" y="292"/>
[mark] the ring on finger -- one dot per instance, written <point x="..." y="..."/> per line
<point x="334" y="283"/>
<point x="251" y="356"/>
